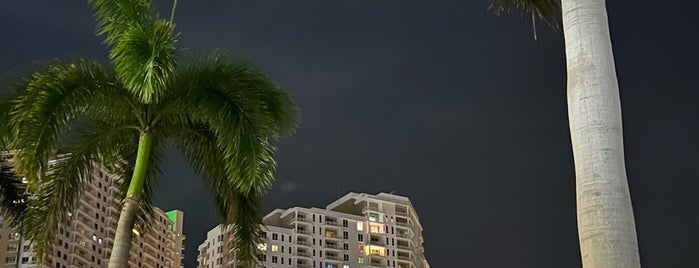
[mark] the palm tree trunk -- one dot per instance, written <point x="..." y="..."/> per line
<point x="606" y="227"/>
<point x="122" y="240"/>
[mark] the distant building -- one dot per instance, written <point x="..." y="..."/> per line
<point x="87" y="240"/>
<point x="358" y="230"/>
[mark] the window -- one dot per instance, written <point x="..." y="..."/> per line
<point x="360" y="260"/>
<point x="11" y="259"/>
<point x="345" y="257"/>
<point x="275" y="236"/>
<point x="360" y="237"/>
<point x="360" y="226"/>
<point x="345" y="223"/>
<point x="345" y="235"/>
<point x="345" y="266"/>
<point x="345" y="246"/>
<point x="275" y="248"/>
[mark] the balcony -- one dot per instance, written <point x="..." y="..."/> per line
<point x="405" y="258"/>
<point x="377" y="264"/>
<point x="405" y="224"/>
<point x="332" y="223"/>
<point x="404" y="247"/>
<point x="403" y="235"/>
<point x="332" y="246"/>
<point x="332" y="257"/>
<point x="330" y="235"/>
<point x="402" y="213"/>
<point x="302" y="254"/>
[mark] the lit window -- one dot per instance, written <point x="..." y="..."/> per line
<point x="360" y="260"/>
<point x="360" y="226"/>
<point x="345" y="266"/>
<point x="275" y="248"/>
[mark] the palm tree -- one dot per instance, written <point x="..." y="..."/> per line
<point x="606" y="227"/>
<point x="220" y="111"/>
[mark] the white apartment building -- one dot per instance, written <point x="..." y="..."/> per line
<point x="356" y="231"/>
<point x="87" y="240"/>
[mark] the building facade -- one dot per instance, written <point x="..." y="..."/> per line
<point x="87" y="240"/>
<point x="358" y="230"/>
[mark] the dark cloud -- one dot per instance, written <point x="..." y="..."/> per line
<point x="440" y="101"/>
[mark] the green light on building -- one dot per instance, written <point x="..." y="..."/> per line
<point x="172" y="215"/>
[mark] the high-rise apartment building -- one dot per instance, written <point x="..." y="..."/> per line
<point x="87" y="240"/>
<point x="356" y="231"/>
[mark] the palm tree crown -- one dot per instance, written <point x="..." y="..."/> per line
<point x="219" y="110"/>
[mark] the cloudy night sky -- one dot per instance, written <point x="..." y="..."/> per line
<point x="440" y="101"/>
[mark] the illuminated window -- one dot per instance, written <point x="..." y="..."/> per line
<point x="375" y="229"/>
<point x="360" y="226"/>
<point x="360" y="260"/>
<point x="275" y="248"/>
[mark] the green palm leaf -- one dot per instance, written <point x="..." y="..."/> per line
<point x="244" y="111"/>
<point x="47" y="105"/>
<point x="141" y="45"/>
<point x="242" y="212"/>
<point x="56" y="193"/>
<point x="13" y="202"/>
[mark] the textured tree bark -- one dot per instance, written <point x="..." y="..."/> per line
<point x="606" y="227"/>
<point x="122" y="239"/>
<point x="124" y="234"/>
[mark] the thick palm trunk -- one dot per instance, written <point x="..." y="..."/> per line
<point x="122" y="240"/>
<point x="606" y="226"/>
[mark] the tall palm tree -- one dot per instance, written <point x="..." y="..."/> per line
<point x="606" y="228"/>
<point x="220" y="111"/>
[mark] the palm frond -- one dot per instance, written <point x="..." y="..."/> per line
<point x="56" y="194"/>
<point x="47" y="103"/>
<point x="246" y="229"/>
<point x="547" y="10"/>
<point x="5" y="133"/>
<point x="114" y="17"/>
<point x="241" y="212"/>
<point x="145" y="59"/>
<point x="244" y="110"/>
<point x="13" y="201"/>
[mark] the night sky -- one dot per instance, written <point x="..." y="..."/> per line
<point x="441" y="101"/>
